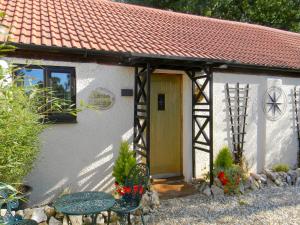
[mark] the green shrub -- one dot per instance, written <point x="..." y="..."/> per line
<point x="125" y="161"/>
<point x="22" y="112"/>
<point x="224" y="159"/>
<point x="280" y="167"/>
<point x="234" y="177"/>
<point x="19" y="134"/>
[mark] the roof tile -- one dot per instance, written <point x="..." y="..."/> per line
<point x="110" y="26"/>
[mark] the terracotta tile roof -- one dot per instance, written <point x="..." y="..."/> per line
<point x="118" y="27"/>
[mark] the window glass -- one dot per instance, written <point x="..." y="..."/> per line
<point x="32" y="77"/>
<point x="60" y="83"/>
<point x="60" y="80"/>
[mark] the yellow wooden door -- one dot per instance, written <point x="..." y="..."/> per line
<point x="165" y="135"/>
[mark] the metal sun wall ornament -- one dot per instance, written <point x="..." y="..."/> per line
<point x="274" y="103"/>
<point x="101" y="98"/>
<point x="237" y="103"/>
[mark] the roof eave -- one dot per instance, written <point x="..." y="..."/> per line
<point x="132" y="59"/>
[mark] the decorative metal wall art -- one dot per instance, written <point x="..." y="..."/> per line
<point x="274" y="103"/>
<point x="101" y="98"/>
<point x="237" y="98"/>
<point x="297" y="114"/>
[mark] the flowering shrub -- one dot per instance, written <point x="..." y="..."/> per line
<point x="229" y="174"/>
<point x="231" y="180"/>
<point x="123" y="190"/>
<point x="222" y="178"/>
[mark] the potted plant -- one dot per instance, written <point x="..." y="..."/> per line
<point x="123" y="165"/>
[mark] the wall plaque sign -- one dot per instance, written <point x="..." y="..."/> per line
<point x="274" y="103"/>
<point x="101" y="98"/>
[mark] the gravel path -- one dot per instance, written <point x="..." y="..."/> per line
<point x="267" y="206"/>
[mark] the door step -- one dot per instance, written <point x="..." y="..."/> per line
<point x="174" y="187"/>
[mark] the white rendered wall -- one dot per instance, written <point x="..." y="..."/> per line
<point x="81" y="155"/>
<point x="267" y="142"/>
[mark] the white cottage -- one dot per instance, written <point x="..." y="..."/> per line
<point x="167" y="82"/>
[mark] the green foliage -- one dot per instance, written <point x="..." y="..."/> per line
<point x="229" y="174"/>
<point x="280" y="167"/>
<point x="224" y="159"/>
<point x="13" y="194"/>
<point x="22" y="115"/>
<point x="124" y="163"/>
<point x="19" y="134"/>
<point x="234" y="176"/>
<point x="282" y="14"/>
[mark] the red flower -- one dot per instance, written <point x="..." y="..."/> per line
<point x="138" y="189"/>
<point x="127" y="190"/>
<point x="120" y="191"/>
<point x="222" y="178"/>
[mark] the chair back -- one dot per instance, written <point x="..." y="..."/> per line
<point x="137" y="182"/>
<point x="9" y="200"/>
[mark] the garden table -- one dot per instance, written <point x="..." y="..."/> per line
<point x="25" y="222"/>
<point x="84" y="204"/>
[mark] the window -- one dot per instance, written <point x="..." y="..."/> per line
<point x="62" y="82"/>
<point x="161" y="102"/>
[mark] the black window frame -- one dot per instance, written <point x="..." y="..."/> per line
<point x="60" y="117"/>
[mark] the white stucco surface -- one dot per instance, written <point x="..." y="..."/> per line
<point x="81" y="156"/>
<point x="267" y="142"/>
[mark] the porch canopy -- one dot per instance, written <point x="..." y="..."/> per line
<point x="201" y="76"/>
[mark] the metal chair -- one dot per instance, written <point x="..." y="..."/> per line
<point x="9" y="198"/>
<point x="136" y="184"/>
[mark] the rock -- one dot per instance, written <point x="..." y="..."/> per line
<point x="272" y="176"/>
<point x="247" y="183"/>
<point x="50" y="211"/>
<point x="146" y="219"/>
<point x="28" y="213"/>
<point x="242" y="188"/>
<point x="76" y="220"/>
<point x="202" y="187"/>
<point x="3" y="212"/>
<point x="282" y="174"/>
<point x="216" y="191"/>
<point x="87" y="220"/>
<point x="150" y="200"/>
<point x="38" y="215"/>
<point x="155" y="199"/>
<point x="54" y="221"/>
<point x="253" y="186"/>
<point x="255" y="176"/>
<point x="207" y="191"/>
<point x="294" y="175"/>
<point x="297" y="182"/>
<point x="278" y="183"/>
<point x="218" y="183"/>
<point x="43" y="223"/>
<point x="263" y="178"/>
<point x="20" y="213"/>
<point x="288" y="180"/>
<point x="100" y="220"/>
<point x="65" y="221"/>
<point x="59" y="215"/>
<point x="298" y="172"/>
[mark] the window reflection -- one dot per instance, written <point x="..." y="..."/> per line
<point x="61" y="85"/>
<point x="32" y="77"/>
